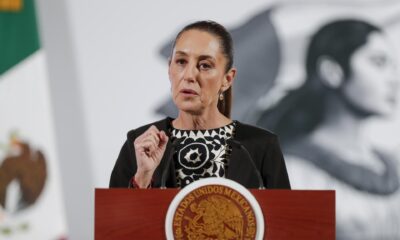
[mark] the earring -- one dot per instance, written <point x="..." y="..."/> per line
<point x="221" y="96"/>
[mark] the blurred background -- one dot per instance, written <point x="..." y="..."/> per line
<point x="76" y="76"/>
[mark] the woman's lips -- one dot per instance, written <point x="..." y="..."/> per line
<point x="189" y="92"/>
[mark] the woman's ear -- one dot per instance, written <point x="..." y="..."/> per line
<point x="228" y="79"/>
<point x="330" y="72"/>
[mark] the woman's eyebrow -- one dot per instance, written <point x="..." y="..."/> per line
<point x="206" y="57"/>
<point x="201" y="57"/>
<point x="181" y="53"/>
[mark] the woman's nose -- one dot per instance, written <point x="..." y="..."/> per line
<point x="190" y="72"/>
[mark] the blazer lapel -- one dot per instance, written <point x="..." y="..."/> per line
<point x="240" y="168"/>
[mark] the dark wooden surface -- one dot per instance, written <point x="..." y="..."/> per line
<point x="140" y="214"/>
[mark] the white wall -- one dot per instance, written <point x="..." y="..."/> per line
<point x="71" y="134"/>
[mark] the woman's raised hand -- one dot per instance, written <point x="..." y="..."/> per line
<point x="149" y="150"/>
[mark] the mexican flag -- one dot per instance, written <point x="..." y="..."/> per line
<point x="31" y="205"/>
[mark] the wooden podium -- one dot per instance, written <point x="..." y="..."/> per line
<point x="140" y="213"/>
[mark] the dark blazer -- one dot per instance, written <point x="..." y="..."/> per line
<point x="262" y="145"/>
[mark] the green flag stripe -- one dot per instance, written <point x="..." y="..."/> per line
<point x="19" y="36"/>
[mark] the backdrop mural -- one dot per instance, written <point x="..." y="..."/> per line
<point x="325" y="78"/>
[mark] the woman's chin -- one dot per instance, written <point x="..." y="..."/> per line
<point x="386" y="113"/>
<point x="190" y="108"/>
<point x="382" y="111"/>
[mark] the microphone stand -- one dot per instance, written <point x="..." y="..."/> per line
<point x="169" y="159"/>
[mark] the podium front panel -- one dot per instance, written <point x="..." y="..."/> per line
<point x="140" y="213"/>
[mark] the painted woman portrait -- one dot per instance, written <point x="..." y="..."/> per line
<point x="350" y="77"/>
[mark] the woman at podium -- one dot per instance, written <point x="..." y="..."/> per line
<point x="203" y="141"/>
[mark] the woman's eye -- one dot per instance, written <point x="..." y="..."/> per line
<point x="180" y="61"/>
<point x="204" y="66"/>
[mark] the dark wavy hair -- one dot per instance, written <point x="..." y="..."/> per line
<point x="303" y="109"/>
<point x="226" y="43"/>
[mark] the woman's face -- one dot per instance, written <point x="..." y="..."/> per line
<point x="372" y="86"/>
<point x="197" y="72"/>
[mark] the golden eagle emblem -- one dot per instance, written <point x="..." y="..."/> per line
<point x="216" y="217"/>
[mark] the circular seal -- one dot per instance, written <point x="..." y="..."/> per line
<point x="214" y="208"/>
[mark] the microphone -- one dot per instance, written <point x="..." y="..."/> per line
<point x="169" y="159"/>
<point x="239" y="145"/>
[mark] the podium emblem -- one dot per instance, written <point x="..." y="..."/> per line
<point x="214" y="208"/>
